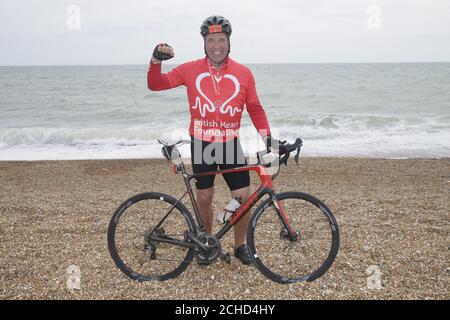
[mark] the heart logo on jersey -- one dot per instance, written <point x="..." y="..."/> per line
<point x="210" y="107"/>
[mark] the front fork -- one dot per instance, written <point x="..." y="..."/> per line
<point x="288" y="232"/>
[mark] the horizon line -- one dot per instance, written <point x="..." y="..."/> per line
<point x="253" y="63"/>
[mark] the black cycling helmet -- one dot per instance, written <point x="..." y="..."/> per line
<point x="215" y="24"/>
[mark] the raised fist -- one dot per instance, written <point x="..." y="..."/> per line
<point x="163" y="52"/>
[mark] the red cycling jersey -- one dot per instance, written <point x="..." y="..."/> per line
<point x="216" y="97"/>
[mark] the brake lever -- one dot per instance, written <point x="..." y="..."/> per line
<point x="297" y="155"/>
<point x="285" y="159"/>
<point x="164" y="143"/>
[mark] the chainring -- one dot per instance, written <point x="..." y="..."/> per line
<point x="213" y="250"/>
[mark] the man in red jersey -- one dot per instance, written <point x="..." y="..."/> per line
<point x="218" y="90"/>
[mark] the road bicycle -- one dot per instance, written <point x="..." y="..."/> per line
<point x="291" y="237"/>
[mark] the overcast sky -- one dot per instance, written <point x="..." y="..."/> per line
<point x="46" y="32"/>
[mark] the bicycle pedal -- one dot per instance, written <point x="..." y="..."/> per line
<point x="225" y="256"/>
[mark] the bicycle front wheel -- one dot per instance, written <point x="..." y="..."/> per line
<point x="132" y="232"/>
<point x="285" y="259"/>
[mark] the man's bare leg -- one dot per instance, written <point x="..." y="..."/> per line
<point x="240" y="228"/>
<point x="204" y="202"/>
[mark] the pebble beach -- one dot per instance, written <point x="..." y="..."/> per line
<point x="393" y="216"/>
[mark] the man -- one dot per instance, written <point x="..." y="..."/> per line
<point x="218" y="89"/>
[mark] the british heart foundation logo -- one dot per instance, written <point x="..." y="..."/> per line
<point x="210" y="106"/>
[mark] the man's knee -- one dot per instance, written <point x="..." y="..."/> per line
<point x="242" y="193"/>
<point x="205" y="196"/>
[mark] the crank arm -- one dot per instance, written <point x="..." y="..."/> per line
<point x="198" y="242"/>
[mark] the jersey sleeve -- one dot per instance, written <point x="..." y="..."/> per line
<point x="255" y="110"/>
<point x="157" y="81"/>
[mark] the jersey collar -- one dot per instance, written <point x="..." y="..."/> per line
<point x="225" y="63"/>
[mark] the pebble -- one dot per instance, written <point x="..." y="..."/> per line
<point x="77" y="198"/>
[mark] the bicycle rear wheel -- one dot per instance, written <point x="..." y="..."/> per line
<point x="133" y="249"/>
<point x="287" y="260"/>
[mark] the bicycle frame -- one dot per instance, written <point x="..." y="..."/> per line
<point x="187" y="230"/>
<point x="266" y="187"/>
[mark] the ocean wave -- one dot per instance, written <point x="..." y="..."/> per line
<point x="324" y="134"/>
<point x="333" y="124"/>
<point x="139" y="135"/>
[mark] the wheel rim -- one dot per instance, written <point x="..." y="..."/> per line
<point x="306" y="259"/>
<point x="131" y="250"/>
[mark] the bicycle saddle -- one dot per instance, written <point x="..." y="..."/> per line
<point x="169" y="151"/>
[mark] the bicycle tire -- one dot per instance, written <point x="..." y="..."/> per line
<point x="269" y="253"/>
<point x="176" y="224"/>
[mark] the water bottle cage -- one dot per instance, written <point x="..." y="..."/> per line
<point x="227" y="214"/>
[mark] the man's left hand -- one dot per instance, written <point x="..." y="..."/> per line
<point x="275" y="145"/>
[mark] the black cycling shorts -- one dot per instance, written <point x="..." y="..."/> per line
<point x="211" y="156"/>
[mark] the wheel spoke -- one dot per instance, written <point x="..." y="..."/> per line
<point x="134" y="252"/>
<point x="281" y="259"/>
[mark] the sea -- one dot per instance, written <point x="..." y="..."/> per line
<point x="380" y="110"/>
